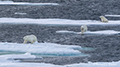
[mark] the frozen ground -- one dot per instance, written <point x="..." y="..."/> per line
<point x="103" y="32"/>
<point x="56" y="21"/>
<point x="7" y="61"/>
<point x="59" y="34"/>
<point x="43" y="49"/>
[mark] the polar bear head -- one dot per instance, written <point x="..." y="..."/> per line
<point x="83" y="29"/>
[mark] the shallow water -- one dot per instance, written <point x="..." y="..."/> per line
<point x="3" y="52"/>
<point x="9" y="52"/>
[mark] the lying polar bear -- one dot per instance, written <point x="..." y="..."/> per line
<point x="83" y="29"/>
<point x="30" y="38"/>
<point x="103" y="19"/>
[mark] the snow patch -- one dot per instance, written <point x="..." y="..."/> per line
<point x="18" y="13"/>
<point x="55" y="21"/>
<point x="29" y="65"/>
<point x="25" y="3"/>
<point x="6" y="59"/>
<point x="96" y="64"/>
<point x="5" y="63"/>
<point x="18" y="56"/>
<point x="65" y="31"/>
<point x="113" y="15"/>
<point x="103" y="32"/>
<point x="42" y="48"/>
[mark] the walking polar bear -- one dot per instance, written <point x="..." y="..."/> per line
<point x="103" y="19"/>
<point x="30" y="38"/>
<point x="83" y="29"/>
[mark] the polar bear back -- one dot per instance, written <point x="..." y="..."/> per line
<point x="30" y="38"/>
<point x="103" y="19"/>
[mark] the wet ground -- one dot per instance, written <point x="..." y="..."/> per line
<point x="107" y="47"/>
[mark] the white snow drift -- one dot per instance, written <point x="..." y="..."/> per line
<point x="42" y="48"/>
<point x="112" y="15"/>
<point x="103" y="32"/>
<point x="56" y="21"/>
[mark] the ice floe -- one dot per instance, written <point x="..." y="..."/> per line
<point x="56" y="21"/>
<point x="12" y="63"/>
<point x="102" y="32"/>
<point x="42" y="48"/>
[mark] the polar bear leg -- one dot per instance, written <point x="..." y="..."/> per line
<point x="25" y="41"/>
<point x="82" y="30"/>
<point x="33" y="41"/>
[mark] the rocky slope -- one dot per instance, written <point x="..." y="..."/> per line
<point x="70" y="9"/>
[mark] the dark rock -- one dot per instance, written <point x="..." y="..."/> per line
<point x="70" y="9"/>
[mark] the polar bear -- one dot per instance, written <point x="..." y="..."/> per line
<point x="103" y="19"/>
<point x="83" y="29"/>
<point x="30" y="38"/>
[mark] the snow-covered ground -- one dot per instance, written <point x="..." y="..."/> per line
<point x="103" y="32"/>
<point x="113" y="15"/>
<point x="25" y="3"/>
<point x="50" y="48"/>
<point x="7" y="61"/>
<point x="56" y="21"/>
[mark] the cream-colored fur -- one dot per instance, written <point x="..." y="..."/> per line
<point x="103" y="19"/>
<point x="30" y="38"/>
<point x="83" y="29"/>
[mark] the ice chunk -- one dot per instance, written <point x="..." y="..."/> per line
<point x="18" y="56"/>
<point x="42" y="48"/>
<point x="65" y="31"/>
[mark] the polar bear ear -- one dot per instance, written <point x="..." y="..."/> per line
<point x="101" y="16"/>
